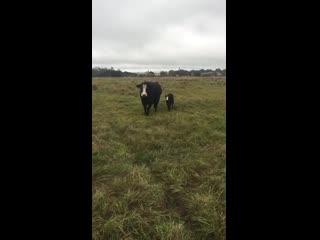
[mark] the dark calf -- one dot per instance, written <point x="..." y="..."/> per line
<point x="169" y="101"/>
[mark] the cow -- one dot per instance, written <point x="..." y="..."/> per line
<point x="169" y="100"/>
<point x="150" y="93"/>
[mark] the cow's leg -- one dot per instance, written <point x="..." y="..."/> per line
<point x="145" y="109"/>
<point x="156" y="103"/>
<point x="148" y="109"/>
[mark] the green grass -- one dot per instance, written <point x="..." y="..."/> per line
<point x="160" y="176"/>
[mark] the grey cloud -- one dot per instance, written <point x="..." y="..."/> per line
<point x="159" y="34"/>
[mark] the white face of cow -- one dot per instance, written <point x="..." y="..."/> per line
<point x="167" y="98"/>
<point x="144" y="92"/>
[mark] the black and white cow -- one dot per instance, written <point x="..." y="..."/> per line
<point x="150" y="93"/>
<point x="169" y="100"/>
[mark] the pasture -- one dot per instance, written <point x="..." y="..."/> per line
<point x="162" y="176"/>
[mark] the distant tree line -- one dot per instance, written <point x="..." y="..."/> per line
<point x="201" y="72"/>
<point x="106" y="72"/>
<point x="110" y="72"/>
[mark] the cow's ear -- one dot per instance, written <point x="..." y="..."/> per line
<point x="138" y="85"/>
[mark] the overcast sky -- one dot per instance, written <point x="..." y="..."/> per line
<point x="140" y="35"/>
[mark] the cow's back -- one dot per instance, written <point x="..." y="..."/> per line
<point x="157" y="89"/>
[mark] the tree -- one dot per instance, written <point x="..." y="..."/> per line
<point x="151" y="74"/>
<point x="171" y="73"/>
<point x="163" y="73"/>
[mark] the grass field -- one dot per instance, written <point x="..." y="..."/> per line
<point x="160" y="176"/>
